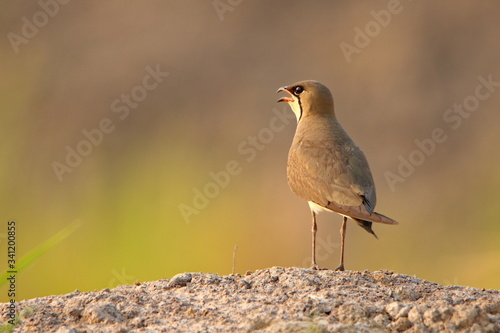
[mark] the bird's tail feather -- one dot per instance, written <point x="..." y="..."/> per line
<point x="367" y="225"/>
<point x="359" y="212"/>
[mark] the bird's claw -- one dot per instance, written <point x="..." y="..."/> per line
<point x="317" y="268"/>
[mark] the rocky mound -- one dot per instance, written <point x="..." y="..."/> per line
<point x="270" y="300"/>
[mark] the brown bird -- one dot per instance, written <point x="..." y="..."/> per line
<point x="325" y="167"/>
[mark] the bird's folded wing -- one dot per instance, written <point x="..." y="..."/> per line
<point x="323" y="173"/>
<point x="335" y="179"/>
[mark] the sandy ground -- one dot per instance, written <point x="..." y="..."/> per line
<point x="270" y="300"/>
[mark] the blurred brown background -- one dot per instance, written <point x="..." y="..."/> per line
<point x="225" y="61"/>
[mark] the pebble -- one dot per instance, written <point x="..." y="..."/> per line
<point x="180" y="280"/>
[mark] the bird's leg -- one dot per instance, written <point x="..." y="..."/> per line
<point x="314" y="265"/>
<point x="342" y="239"/>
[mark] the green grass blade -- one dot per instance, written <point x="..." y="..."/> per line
<point x="40" y="250"/>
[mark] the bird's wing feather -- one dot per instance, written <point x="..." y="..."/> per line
<point x="331" y="173"/>
<point x="336" y="177"/>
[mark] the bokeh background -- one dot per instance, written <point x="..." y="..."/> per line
<point x="225" y="61"/>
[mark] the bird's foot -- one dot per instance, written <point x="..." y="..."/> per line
<point x="340" y="268"/>
<point x="317" y="268"/>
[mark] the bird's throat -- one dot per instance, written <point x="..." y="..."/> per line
<point x="296" y="108"/>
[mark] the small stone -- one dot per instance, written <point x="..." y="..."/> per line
<point x="492" y="327"/>
<point x="351" y="312"/>
<point x="381" y="319"/>
<point x="405" y="293"/>
<point x="393" y="309"/>
<point x="245" y="284"/>
<point x="74" y="293"/>
<point x="432" y="315"/>
<point x="76" y="313"/>
<point x="180" y="280"/>
<point x="476" y="328"/>
<point x="414" y="315"/>
<point x="404" y="311"/>
<point x="446" y="313"/>
<point x="401" y="324"/>
<point x="322" y="324"/>
<point x="106" y="313"/>
<point x="64" y="329"/>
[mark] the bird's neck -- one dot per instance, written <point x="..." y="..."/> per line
<point x="317" y="126"/>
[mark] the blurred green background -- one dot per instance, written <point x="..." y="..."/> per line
<point x="225" y="61"/>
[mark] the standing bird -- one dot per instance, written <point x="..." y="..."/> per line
<point x="325" y="167"/>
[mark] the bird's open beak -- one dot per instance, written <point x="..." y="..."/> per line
<point x="285" y="99"/>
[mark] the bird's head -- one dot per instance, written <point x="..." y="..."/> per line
<point x="307" y="98"/>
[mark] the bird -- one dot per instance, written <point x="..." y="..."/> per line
<point x="325" y="167"/>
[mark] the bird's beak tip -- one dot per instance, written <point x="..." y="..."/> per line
<point x="284" y="99"/>
<point x="281" y="89"/>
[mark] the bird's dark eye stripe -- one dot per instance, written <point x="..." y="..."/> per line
<point x="298" y="90"/>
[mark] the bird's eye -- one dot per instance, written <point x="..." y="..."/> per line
<point x="298" y="90"/>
